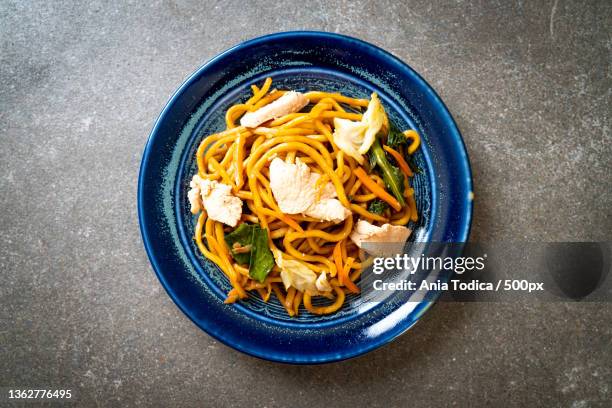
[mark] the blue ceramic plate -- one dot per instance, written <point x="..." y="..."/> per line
<point x="300" y="61"/>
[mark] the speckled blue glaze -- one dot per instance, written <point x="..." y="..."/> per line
<point x="301" y="61"/>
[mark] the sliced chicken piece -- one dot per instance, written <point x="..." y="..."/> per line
<point x="290" y="102"/>
<point x="356" y="138"/>
<point x="296" y="191"/>
<point x="375" y="118"/>
<point x="216" y="198"/>
<point x="322" y="283"/>
<point x="348" y="136"/>
<point x="195" y="199"/>
<point x="292" y="185"/>
<point x="328" y="209"/>
<point x="384" y="240"/>
<point x="296" y="274"/>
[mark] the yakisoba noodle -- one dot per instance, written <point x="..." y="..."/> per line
<point x="240" y="157"/>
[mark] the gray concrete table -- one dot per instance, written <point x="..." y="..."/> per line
<point x="80" y="86"/>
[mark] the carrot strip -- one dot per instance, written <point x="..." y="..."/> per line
<point x="376" y="189"/>
<point x="337" y="255"/>
<point x="291" y="222"/>
<point x="345" y="278"/>
<point x="400" y="160"/>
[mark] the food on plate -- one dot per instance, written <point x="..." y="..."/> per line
<point x="296" y="192"/>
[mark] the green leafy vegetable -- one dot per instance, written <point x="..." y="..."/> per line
<point x="395" y="138"/>
<point x="412" y="164"/>
<point x="392" y="176"/>
<point x="372" y="160"/>
<point x="240" y="242"/>
<point x="262" y="259"/>
<point x="397" y="178"/>
<point x="248" y="245"/>
<point x="378" y="206"/>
